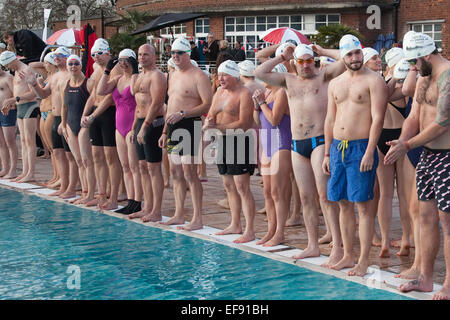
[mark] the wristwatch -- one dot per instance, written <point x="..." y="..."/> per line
<point x="91" y="117"/>
<point x="17" y="99"/>
<point x="182" y="113"/>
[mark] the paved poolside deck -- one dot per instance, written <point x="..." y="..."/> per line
<point x="218" y="217"/>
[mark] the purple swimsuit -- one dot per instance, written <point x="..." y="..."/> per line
<point x="275" y="138"/>
<point x="125" y="107"/>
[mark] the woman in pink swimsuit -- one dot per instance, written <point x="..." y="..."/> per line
<point x="120" y="88"/>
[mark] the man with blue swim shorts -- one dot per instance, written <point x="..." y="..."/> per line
<point x="356" y="106"/>
<point x="8" y="146"/>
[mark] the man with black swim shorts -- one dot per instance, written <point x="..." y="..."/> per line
<point x="190" y="97"/>
<point x="100" y="117"/>
<point x="149" y="89"/>
<point x="431" y="114"/>
<point x="27" y="112"/>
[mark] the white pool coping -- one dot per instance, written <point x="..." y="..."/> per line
<point x="376" y="278"/>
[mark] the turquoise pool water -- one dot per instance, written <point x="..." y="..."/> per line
<point x="51" y="250"/>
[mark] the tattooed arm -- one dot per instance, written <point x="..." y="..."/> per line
<point x="442" y="121"/>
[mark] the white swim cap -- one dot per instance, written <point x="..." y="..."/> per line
<point x="194" y="63"/>
<point x="100" y="45"/>
<point x="63" y="50"/>
<point x="246" y="68"/>
<point x="181" y="44"/>
<point x="279" y="68"/>
<point x="401" y="69"/>
<point x="416" y="45"/>
<point x="126" y="53"/>
<point x="393" y="56"/>
<point x="171" y="64"/>
<point x="7" y="57"/>
<point x="2" y="45"/>
<point x="282" y="47"/>
<point x="326" y="60"/>
<point x="73" y="57"/>
<point x="369" y="53"/>
<point x="50" y="58"/>
<point x="303" y="49"/>
<point x="229" y="67"/>
<point x="349" y="43"/>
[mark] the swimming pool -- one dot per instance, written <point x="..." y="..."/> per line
<point x="52" y="250"/>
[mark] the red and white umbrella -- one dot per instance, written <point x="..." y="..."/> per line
<point x="65" y="37"/>
<point x="282" y="34"/>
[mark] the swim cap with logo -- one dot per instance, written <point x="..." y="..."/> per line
<point x="181" y="44"/>
<point x="369" y="53"/>
<point x="246" y="68"/>
<point x="73" y="57"/>
<point x="326" y="60"/>
<point x="349" y="43"/>
<point x="229" y="67"/>
<point x="282" y="47"/>
<point x="417" y="45"/>
<point x="194" y="63"/>
<point x="7" y="57"/>
<point x="401" y="69"/>
<point x="393" y="56"/>
<point x="126" y="53"/>
<point x="50" y="58"/>
<point x="303" y="49"/>
<point x="279" y="68"/>
<point x="62" y="50"/>
<point x="100" y="45"/>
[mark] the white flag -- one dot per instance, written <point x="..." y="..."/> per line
<point x="46" y="16"/>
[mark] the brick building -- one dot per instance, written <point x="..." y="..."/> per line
<point x="244" y="20"/>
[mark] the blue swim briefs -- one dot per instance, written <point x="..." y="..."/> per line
<point x="9" y="120"/>
<point x="347" y="182"/>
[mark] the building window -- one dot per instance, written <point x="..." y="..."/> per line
<point x="202" y="27"/>
<point x="434" y="30"/>
<point x="178" y="30"/>
<point x="247" y="29"/>
<point x="327" y="19"/>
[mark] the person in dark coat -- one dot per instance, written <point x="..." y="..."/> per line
<point x="211" y="49"/>
<point x="237" y="52"/>
<point x="195" y="54"/>
<point x="24" y="43"/>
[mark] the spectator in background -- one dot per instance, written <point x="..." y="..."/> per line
<point x="25" y="44"/>
<point x="165" y="56"/>
<point x="224" y="47"/>
<point x="211" y="49"/>
<point x="238" y="53"/>
<point x="195" y="54"/>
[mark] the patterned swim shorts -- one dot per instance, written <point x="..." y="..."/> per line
<point x="433" y="177"/>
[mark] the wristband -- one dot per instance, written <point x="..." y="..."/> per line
<point x="327" y="155"/>
<point x="260" y="104"/>
<point x="164" y="132"/>
<point x="146" y="123"/>
<point x="182" y="113"/>
<point x="107" y="72"/>
<point x="91" y="117"/>
<point x="407" y="145"/>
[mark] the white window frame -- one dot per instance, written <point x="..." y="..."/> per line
<point x="165" y="31"/>
<point x="431" y="33"/>
<point x="202" y="35"/>
<point x="326" y="22"/>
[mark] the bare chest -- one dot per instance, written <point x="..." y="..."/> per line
<point x="427" y="93"/>
<point x="227" y="104"/>
<point x="355" y="93"/>
<point x="182" y="87"/>
<point x="305" y="89"/>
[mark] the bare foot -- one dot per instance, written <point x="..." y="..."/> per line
<point x="3" y="173"/>
<point x="108" y="206"/>
<point x="384" y="253"/>
<point x="325" y="239"/>
<point x="230" y="230"/>
<point x="166" y="184"/>
<point x="224" y="203"/>
<point x="174" y="220"/>
<point x="55" y="185"/>
<point x="19" y="177"/>
<point x="443" y="294"/>
<point x="335" y="256"/>
<point x="404" y="251"/>
<point x="10" y="176"/>
<point x="266" y="238"/>
<point x="307" y="253"/>
<point x="276" y="240"/>
<point x="91" y="203"/>
<point x="261" y="211"/>
<point x="27" y="179"/>
<point x="246" y="237"/>
<point x="139" y="214"/>
<point x="67" y="195"/>
<point x="345" y="262"/>
<point x="294" y="220"/>
<point x="55" y="194"/>
<point x="191" y="226"/>
<point x="360" y="270"/>
<point x="153" y="217"/>
<point x="416" y="285"/>
<point x="410" y="274"/>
